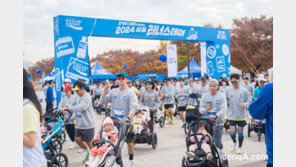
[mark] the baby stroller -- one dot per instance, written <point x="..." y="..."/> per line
<point x="143" y="134"/>
<point x="115" y="150"/>
<point x="200" y="156"/>
<point x="192" y="112"/>
<point x="52" y="143"/>
<point x="257" y="126"/>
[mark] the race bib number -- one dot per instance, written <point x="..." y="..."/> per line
<point x="118" y="112"/>
<point x="182" y="98"/>
<point x="137" y="123"/>
<point x="190" y="107"/>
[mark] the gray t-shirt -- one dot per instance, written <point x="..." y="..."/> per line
<point x="150" y="99"/>
<point x="202" y="90"/>
<point x="68" y="101"/>
<point x="168" y="92"/>
<point x="249" y="87"/>
<point x="84" y="111"/>
<point x="192" y="101"/>
<point x="182" y="100"/>
<point x="123" y="102"/>
<point x="219" y="105"/>
<point x="236" y="97"/>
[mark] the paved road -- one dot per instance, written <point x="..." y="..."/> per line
<point x="171" y="148"/>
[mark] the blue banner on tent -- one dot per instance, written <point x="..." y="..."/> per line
<point x="146" y="76"/>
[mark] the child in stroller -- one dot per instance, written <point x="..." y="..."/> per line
<point x="110" y="133"/>
<point x="143" y="127"/>
<point x="204" y="153"/>
<point x="201" y="141"/>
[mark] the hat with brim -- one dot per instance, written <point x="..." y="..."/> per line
<point x="76" y="88"/>
<point x="122" y="74"/>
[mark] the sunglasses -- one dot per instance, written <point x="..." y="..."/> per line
<point x="234" y="82"/>
<point x="120" y="78"/>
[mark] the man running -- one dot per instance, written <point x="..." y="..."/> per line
<point x="168" y="100"/>
<point x="203" y="88"/>
<point x="247" y="85"/>
<point x="216" y="103"/>
<point x="238" y="99"/>
<point x="83" y="108"/>
<point x="182" y="93"/>
<point x="124" y="104"/>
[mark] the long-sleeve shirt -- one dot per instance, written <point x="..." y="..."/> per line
<point x="222" y="90"/>
<point x="249" y="87"/>
<point x="192" y="90"/>
<point x="219" y="106"/>
<point x="123" y="102"/>
<point x="84" y="111"/>
<point x="203" y="89"/>
<point x="237" y="96"/>
<point x="150" y="99"/>
<point x="49" y="95"/>
<point x="68" y="101"/>
<point x="182" y="100"/>
<point x="168" y="92"/>
<point x="262" y="108"/>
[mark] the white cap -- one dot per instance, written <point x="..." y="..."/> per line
<point x="214" y="80"/>
<point x="262" y="79"/>
<point x="67" y="80"/>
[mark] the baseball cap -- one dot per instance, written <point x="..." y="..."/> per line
<point x="215" y="81"/>
<point x="122" y="74"/>
<point x="76" y="88"/>
<point x="68" y="87"/>
<point x="261" y="79"/>
<point x="67" y="80"/>
<point x="203" y="78"/>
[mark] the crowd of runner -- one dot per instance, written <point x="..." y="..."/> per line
<point x="228" y="97"/>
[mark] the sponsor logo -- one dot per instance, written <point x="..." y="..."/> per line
<point x="192" y="34"/>
<point x="221" y="35"/>
<point x="211" y="52"/>
<point x="221" y="64"/>
<point x="124" y="98"/>
<point x="73" y="23"/>
<point x="64" y="46"/>
<point x="225" y="49"/>
<point x="241" y="96"/>
<point x="78" y="69"/>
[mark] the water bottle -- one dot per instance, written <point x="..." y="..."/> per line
<point x="82" y="48"/>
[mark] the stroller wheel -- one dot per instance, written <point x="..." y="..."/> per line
<point x="249" y="130"/>
<point x="154" y="140"/>
<point x="186" y="129"/>
<point x="59" y="160"/>
<point x="63" y="137"/>
<point x="183" y="162"/>
<point x="56" y="146"/>
<point x="161" y="122"/>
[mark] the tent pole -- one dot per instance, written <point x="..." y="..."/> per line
<point x="188" y="54"/>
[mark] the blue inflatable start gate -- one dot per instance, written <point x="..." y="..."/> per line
<point x="71" y="43"/>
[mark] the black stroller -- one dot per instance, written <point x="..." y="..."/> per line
<point x="256" y="126"/>
<point x="144" y="136"/>
<point x="200" y="156"/>
<point x="115" y="150"/>
<point x="192" y="112"/>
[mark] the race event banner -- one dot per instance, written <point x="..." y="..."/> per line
<point x="203" y="57"/>
<point x="172" y="63"/>
<point x="71" y="44"/>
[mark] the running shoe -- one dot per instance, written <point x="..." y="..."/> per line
<point x="131" y="163"/>
<point x="74" y="146"/>
<point x="233" y="146"/>
<point x="239" y="150"/>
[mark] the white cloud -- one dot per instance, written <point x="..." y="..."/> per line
<point x="38" y="19"/>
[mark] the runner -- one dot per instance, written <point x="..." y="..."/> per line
<point x="142" y="89"/>
<point x="203" y="88"/>
<point x="150" y="98"/>
<point x="247" y="85"/>
<point x="238" y="99"/>
<point x="261" y="82"/>
<point x="182" y="93"/>
<point x="84" y="119"/>
<point x="68" y="99"/>
<point x="49" y="96"/>
<point x="222" y="89"/>
<point x="215" y="102"/>
<point x="124" y="104"/>
<point x="168" y="100"/>
<point x="134" y="89"/>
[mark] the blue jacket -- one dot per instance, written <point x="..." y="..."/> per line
<point x="49" y="95"/>
<point x="263" y="108"/>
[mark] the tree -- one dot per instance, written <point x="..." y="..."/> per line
<point x="253" y="38"/>
<point x="45" y="65"/>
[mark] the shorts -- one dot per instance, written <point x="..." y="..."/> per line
<point x="167" y="106"/>
<point x="130" y="136"/>
<point x="86" y="134"/>
<point x="181" y="108"/>
<point x="238" y="123"/>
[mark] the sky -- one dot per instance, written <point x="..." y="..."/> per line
<point x="38" y="16"/>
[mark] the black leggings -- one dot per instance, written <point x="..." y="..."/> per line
<point x="70" y="128"/>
